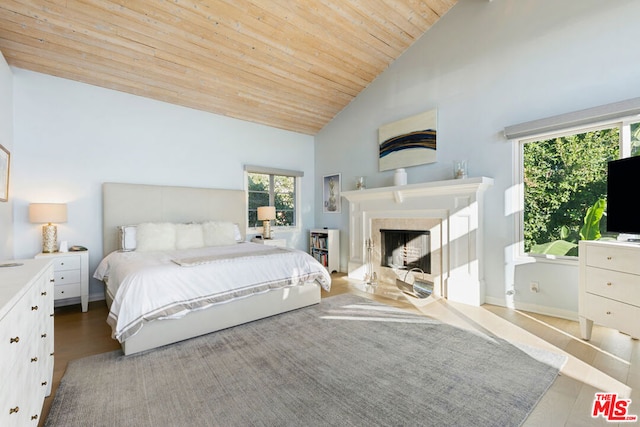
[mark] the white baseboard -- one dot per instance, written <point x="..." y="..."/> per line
<point x="534" y="308"/>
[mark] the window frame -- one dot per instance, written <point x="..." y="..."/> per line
<point x="251" y="229"/>
<point x="624" y="128"/>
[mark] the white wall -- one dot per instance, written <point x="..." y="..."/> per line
<point x="71" y="137"/>
<point x="6" y="140"/>
<point x="484" y="66"/>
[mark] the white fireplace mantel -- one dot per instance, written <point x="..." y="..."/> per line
<point x="455" y="206"/>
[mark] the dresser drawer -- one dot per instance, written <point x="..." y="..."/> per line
<point x="67" y="291"/>
<point x="613" y="258"/>
<point x="613" y="314"/>
<point x="623" y="287"/>
<point x="66" y="277"/>
<point x="62" y="263"/>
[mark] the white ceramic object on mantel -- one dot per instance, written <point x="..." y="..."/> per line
<point x="400" y="177"/>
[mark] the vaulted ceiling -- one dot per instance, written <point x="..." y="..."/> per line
<point x="290" y="64"/>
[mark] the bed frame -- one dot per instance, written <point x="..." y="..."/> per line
<point x="128" y="204"/>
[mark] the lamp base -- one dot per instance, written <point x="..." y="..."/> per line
<point x="266" y="229"/>
<point x="49" y="238"/>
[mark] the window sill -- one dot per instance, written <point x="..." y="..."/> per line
<point x="547" y="259"/>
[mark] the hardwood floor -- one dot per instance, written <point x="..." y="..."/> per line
<point x="610" y="361"/>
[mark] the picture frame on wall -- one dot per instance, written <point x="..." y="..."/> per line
<point x="4" y="174"/>
<point x="408" y="142"/>
<point x="331" y="193"/>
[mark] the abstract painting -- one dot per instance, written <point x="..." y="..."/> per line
<point x="408" y="142"/>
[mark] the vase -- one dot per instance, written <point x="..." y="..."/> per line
<point x="400" y="177"/>
<point x="460" y="169"/>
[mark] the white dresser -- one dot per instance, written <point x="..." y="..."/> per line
<point x="609" y="286"/>
<point x="26" y="340"/>
<point x="72" y="275"/>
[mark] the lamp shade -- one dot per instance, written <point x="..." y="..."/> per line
<point x="47" y="212"/>
<point x="266" y="213"/>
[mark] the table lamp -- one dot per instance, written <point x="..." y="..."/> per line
<point x="266" y="214"/>
<point x="48" y="213"/>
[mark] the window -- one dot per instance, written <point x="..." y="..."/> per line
<point x="563" y="175"/>
<point x="272" y="187"/>
<point x="560" y="170"/>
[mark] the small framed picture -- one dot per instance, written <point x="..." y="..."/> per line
<point x="331" y="193"/>
<point x="4" y="174"/>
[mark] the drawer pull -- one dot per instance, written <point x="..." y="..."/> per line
<point x="52" y="280"/>
<point x="34" y="359"/>
<point x="14" y="410"/>
<point x="609" y="258"/>
<point x="34" y="308"/>
<point x="34" y="417"/>
<point x="43" y="293"/>
<point x="62" y="278"/>
<point x="608" y="312"/>
<point x="12" y="340"/>
<point x="51" y="354"/>
<point x="43" y="336"/>
<point x="43" y="383"/>
<point x="608" y="283"/>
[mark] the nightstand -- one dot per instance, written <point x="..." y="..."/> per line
<point x="271" y="242"/>
<point x="71" y="272"/>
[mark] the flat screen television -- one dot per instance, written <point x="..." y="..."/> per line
<point x="622" y="214"/>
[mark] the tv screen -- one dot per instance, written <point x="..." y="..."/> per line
<point x="622" y="215"/>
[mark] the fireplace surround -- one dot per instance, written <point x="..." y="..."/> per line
<point x="451" y="212"/>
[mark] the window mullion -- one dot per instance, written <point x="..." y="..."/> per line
<point x="625" y="139"/>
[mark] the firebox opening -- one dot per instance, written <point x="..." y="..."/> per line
<point x="406" y="249"/>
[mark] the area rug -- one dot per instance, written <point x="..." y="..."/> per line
<point x="347" y="361"/>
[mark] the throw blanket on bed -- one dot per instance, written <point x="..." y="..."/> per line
<point x="151" y="285"/>
<point x="190" y="262"/>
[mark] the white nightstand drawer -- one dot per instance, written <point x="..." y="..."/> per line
<point x="613" y="258"/>
<point x="613" y="284"/>
<point x="66" y="277"/>
<point x="69" y="262"/>
<point x="613" y="314"/>
<point x="67" y="291"/>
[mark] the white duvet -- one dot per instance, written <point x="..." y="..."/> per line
<point x="153" y="285"/>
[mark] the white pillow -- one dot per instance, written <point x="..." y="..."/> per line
<point x="189" y="236"/>
<point x="156" y="237"/>
<point x="127" y="238"/>
<point x="219" y="233"/>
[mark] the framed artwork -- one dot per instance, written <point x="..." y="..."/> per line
<point x="331" y="193"/>
<point x="408" y="142"/>
<point x="4" y="174"/>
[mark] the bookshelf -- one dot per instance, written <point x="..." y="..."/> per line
<point x="324" y="245"/>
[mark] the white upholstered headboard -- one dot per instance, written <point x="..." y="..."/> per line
<point x="129" y="204"/>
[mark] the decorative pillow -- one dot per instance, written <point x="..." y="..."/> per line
<point x="156" y="237"/>
<point x="189" y="236"/>
<point x="219" y="233"/>
<point x="127" y="238"/>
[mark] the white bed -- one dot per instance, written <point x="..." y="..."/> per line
<point x="260" y="288"/>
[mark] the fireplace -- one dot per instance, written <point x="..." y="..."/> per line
<point x="405" y="249"/>
<point x="450" y="211"/>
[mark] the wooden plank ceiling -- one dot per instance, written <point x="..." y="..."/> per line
<point x="290" y="64"/>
